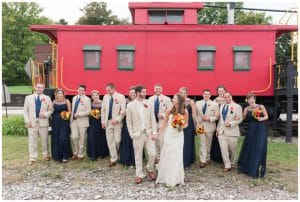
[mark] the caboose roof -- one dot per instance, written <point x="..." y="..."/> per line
<point x="52" y="30"/>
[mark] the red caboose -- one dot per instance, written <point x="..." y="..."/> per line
<point x="165" y="45"/>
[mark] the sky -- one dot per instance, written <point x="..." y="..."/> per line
<point x="70" y="9"/>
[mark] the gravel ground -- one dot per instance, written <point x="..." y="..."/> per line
<point x="117" y="183"/>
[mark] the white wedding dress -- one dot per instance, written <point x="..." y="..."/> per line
<point x="170" y="167"/>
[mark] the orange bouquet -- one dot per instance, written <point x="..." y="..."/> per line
<point x="95" y="113"/>
<point x="200" y="130"/>
<point x="65" y="115"/>
<point x="257" y="113"/>
<point x="178" y="121"/>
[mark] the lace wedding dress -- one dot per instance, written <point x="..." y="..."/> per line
<point x="170" y="167"/>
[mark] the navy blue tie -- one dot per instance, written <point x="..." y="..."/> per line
<point x="38" y="104"/>
<point x="224" y="111"/>
<point x="76" y="104"/>
<point x="156" y="108"/>
<point x="204" y="108"/>
<point x="111" y="102"/>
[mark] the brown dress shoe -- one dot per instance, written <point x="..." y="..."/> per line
<point x="74" y="157"/>
<point x="47" y="158"/>
<point x="202" y="165"/>
<point x="80" y="158"/>
<point x="138" y="180"/>
<point x="225" y="170"/>
<point x="152" y="175"/>
<point x="111" y="164"/>
<point x="30" y="163"/>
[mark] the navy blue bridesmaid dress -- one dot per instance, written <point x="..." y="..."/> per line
<point x="96" y="139"/>
<point x="60" y="138"/>
<point x="126" y="147"/>
<point x="189" y="141"/>
<point x="253" y="155"/>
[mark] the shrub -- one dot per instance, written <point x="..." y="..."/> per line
<point x="14" y="125"/>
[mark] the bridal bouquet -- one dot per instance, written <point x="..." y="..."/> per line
<point x="200" y="130"/>
<point x="65" y="115"/>
<point x="95" y="113"/>
<point x="257" y="113"/>
<point x="178" y="121"/>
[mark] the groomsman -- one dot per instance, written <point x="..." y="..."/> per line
<point x="81" y="108"/>
<point x="207" y="114"/>
<point x="112" y="115"/>
<point x="37" y="110"/>
<point x="159" y="103"/>
<point x="141" y="127"/>
<point x="228" y="130"/>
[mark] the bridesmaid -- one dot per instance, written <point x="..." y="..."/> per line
<point x="126" y="146"/>
<point x="189" y="132"/>
<point x="215" y="152"/>
<point x="253" y="155"/>
<point x="60" y="139"/>
<point x="96" y="138"/>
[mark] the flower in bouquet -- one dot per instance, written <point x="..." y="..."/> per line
<point x="200" y="130"/>
<point x="178" y="121"/>
<point x="257" y="113"/>
<point x="65" y="115"/>
<point x="95" y="113"/>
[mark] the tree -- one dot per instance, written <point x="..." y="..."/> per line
<point x="97" y="13"/>
<point x="62" y="21"/>
<point x="17" y="40"/>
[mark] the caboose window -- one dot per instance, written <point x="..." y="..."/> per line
<point x="126" y="57"/>
<point x="91" y="57"/>
<point x="206" y="57"/>
<point x="242" y="58"/>
<point x="169" y="16"/>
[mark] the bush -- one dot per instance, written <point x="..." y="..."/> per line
<point x="14" y="125"/>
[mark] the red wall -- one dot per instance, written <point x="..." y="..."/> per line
<point x="167" y="57"/>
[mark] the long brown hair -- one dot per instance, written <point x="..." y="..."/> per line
<point x="60" y="90"/>
<point x="181" y="105"/>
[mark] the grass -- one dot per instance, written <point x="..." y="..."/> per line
<point x="282" y="164"/>
<point x="20" y="89"/>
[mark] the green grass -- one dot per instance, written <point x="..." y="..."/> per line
<point x="20" y="89"/>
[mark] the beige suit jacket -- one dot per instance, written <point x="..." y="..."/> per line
<point x="212" y="111"/>
<point x="164" y="103"/>
<point x="234" y="117"/>
<point x="118" y="110"/>
<point x="83" y="110"/>
<point x="134" y="120"/>
<point x="29" y="110"/>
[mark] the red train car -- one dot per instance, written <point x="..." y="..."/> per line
<point x="165" y="45"/>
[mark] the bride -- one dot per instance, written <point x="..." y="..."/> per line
<point x="170" y="167"/>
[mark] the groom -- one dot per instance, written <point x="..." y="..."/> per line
<point x="142" y="129"/>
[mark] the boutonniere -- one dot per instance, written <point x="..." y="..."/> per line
<point x="116" y="101"/>
<point x="146" y="106"/>
<point x="231" y="110"/>
<point x="43" y="100"/>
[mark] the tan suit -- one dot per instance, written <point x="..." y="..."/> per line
<point x="80" y="124"/>
<point x="164" y="103"/>
<point x="113" y="132"/>
<point x="141" y="125"/>
<point x="212" y="111"/>
<point x="228" y="136"/>
<point x="39" y="125"/>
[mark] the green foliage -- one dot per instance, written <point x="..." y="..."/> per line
<point x="97" y="13"/>
<point x="62" y="21"/>
<point x="283" y="49"/>
<point x="17" y="40"/>
<point x="253" y="18"/>
<point x="20" y="89"/>
<point x="14" y="125"/>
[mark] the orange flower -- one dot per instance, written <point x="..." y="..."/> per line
<point x="257" y="113"/>
<point x="200" y="130"/>
<point x="95" y="113"/>
<point x="65" y="115"/>
<point x="178" y="121"/>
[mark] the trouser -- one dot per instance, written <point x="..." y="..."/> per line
<point x="228" y="149"/>
<point x="78" y="135"/>
<point x="138" y="145"/>
<point x="33" y="135"/>
<point x="205" y="146"/>
<point x="113" y="136"/>
<point x="159" y="143"/>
